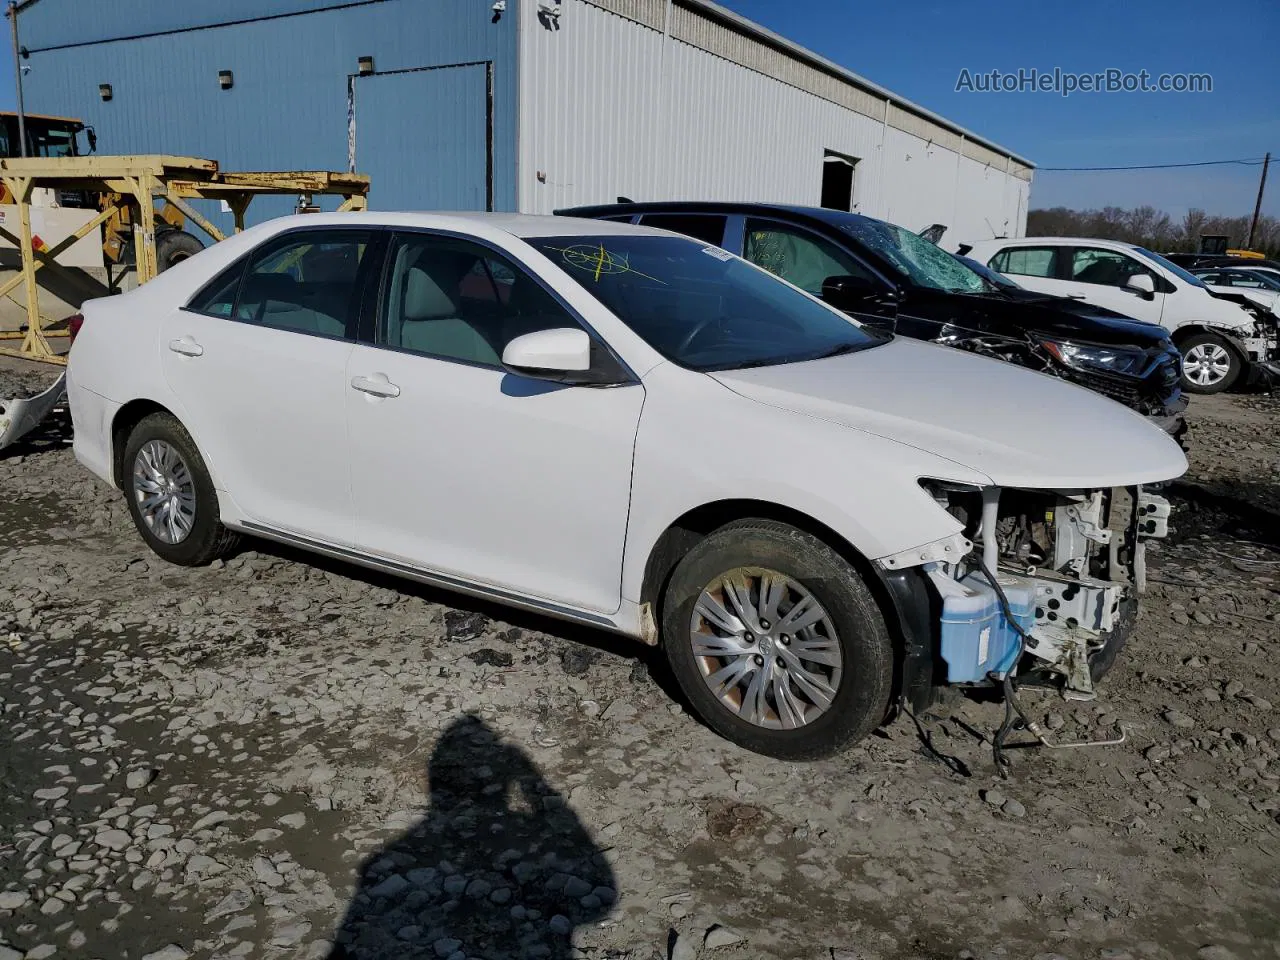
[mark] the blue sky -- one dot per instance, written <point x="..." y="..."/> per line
<point x="917" y="49"/>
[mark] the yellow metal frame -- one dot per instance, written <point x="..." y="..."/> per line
<point x="139" y="181"/>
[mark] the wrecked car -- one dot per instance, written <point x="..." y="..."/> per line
<point x="889" y="277"/>
<point x="1224" y="337"/>
<point x="634" y="430"/>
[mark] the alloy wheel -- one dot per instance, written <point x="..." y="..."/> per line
<point x="1206" y="364"/>
<point x="766" y="647"/>
<point x="165" y="491"/>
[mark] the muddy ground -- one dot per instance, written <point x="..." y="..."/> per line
<point x="281" y="756"/>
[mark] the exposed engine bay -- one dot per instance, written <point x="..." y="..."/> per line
<point x="1068" y="567"/>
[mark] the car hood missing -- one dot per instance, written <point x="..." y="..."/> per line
<point x="1021" y="429"/>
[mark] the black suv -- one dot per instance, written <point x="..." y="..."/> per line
<point x="888" y="276"/>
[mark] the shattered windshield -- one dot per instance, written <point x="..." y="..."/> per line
<point x="924" y="263"/>
<point x="700" y="306"/>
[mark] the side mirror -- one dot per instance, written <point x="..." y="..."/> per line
<point x="563" y="355"/>
<point x="849" y="292"/>
<point x="1141" y="284"/>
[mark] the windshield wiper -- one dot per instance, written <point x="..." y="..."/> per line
<point x="836" y="351"/>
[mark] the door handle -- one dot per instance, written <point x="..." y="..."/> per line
<point x="187" y="347"/>
<point x="377" y="385"/>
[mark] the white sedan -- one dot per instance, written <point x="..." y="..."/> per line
<point x="628" y="428"/>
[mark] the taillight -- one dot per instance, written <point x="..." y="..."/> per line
<point x="74" y="323"/>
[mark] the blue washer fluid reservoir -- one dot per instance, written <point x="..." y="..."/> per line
<point x="976" y="636"/>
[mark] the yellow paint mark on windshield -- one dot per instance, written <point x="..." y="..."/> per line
<point x="599" y="261"/>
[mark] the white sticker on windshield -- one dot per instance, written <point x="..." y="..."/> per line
<point x="718" y="253"/>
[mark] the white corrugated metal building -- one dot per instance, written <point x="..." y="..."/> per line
<point x="538" y="104"/>
<point x="683" y="99"/>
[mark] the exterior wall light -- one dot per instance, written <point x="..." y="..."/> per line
<point x="366" y="66"/>
<point x="226" y="79"/>
<point x="104" y="91"/>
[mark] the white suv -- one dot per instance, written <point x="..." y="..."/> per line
<point x="628" y="428"/>
<point x="1219" y="339"/>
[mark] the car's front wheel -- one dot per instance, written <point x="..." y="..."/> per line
<point x="1209" y="364"/>
<point x="170" y="493"/>
<point x="776" y="641"/>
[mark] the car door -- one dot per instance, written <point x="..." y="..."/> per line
<point x="1035" y="268"/>
<point x="806" y="259"/>
<point x="469" y="471"/>
<point x="1099" y="275"/>
<point x="258" y="363"/>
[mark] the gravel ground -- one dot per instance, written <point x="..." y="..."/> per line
<point x="281" y="756"/>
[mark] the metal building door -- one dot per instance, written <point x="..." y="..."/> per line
<point x="424" y="136"/>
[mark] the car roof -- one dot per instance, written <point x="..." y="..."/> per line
<point x="516" y="224"/>
<point x="1054" y="241"/>
<point x="792" y="210"/>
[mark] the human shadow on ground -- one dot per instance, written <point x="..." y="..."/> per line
<point x="498" y="867"/>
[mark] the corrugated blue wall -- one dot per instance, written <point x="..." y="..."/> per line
<point x="288" y="106"/>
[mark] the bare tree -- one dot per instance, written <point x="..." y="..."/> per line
<point x="1153" y="228"/>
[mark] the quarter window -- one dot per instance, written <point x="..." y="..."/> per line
<point x="1105" y="267"/>
<point x="1026" y="262"/>
<point x="798" y="256"/>
<point x="458" y="300"/>
<point x="700" y="226"/>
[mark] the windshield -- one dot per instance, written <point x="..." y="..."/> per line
<point x="1172" y="267"/>
<point x="982" y="270"/>
<point x="925" y="264"/>
<point x="701" y="307"/>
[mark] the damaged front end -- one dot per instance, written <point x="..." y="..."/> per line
<point x="1067" y="565"/>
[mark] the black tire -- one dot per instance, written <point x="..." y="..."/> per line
<point x="208" y="539"/>
<point x="862" y="693"/>
<point x="174" y="246"/>
<point x="1210" y="341"/>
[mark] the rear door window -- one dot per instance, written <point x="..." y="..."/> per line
<point x="308" y="283"/>
<point x="1027" y="262"/>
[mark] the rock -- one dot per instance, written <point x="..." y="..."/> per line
<point x="576" y="887"/>
<point x="8" y="953"/>
<point x="42" y="952"/>
<point x="682" y="948"/>
<point x="501" y="895"/>
<point x="477" y="889"/>
<point x="1156" y="753"/>
<point x="211" y="819"/>
<point x="1214" y="951"/>
<point x="137" y="779"/>
<point x="50" y="793"/>
<point x="994" y="797"/>
<point x="113" y="839"/>
<point x="171" y="952"/>
<point x="559" y="924"/>
<point x="446" y="946"/>
<point x="233" y="902"/>
<point x="1013" y="808"/>
<point x="1055" y="721"/>
<point x="13" y="900"/>
<point x="293" y="820"/>
<point x="266" y="873"/>
<point x="391" y="886"/>
<point x="1180" y="720"/>
<point x="289" y="934"/>
<point x="1232" y="688"/>
<point x="720" y="936"/>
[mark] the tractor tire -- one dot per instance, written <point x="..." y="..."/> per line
<point x="174" y="246"/>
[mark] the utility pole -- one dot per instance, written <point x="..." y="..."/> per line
<point x="17" y="79"/>
<point x="1257" y="207"/>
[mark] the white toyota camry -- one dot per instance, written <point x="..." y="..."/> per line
<point x="629" y="428"/>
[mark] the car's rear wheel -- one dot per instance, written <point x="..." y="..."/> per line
<point x="170" y="493"/>
<point x="776" y="642"/>
<point x="1209" y="364"/>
